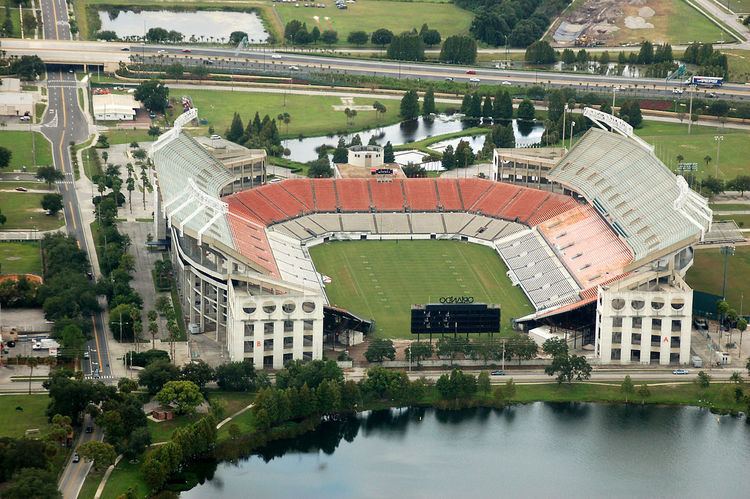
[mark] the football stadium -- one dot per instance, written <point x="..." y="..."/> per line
<point x="597" y="246"/>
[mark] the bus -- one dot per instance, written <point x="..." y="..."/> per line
<point x="705" y="81"/>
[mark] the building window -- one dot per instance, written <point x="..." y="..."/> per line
<point x="307" y="340"/>
<point x="616" y="353"/>
<point x="268" y="361"/>
<point x="268" y="345"/>
<point x="616" y="338"/>
<point x="655" y="324"/>
<point x="616" y="321"/>
<point x="288" y="342"/>
<point x="676" y="325"/>
<point x="636" y="339"/>
<point x="306" y="356"/>
<point x="655" y="339"/>
<point x="287" y="358"/>
<point x="249" y="346"/>
<point x="635" y="356"/>
<point x="637" y="322"/>
<point x="307" y="325"/>
<point x="637" y="304"/>
<point x="675" y="343"/>
<point x="288" y="326"/>
<point x="249" y="329"/>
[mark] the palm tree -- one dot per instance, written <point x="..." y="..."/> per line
<point x="736" y="377"/>
<point x="286" y="118"/>
<point x="707" y="159"/>
<point x="680" y="157"/>
<point x="32" y="362"/>
<point x="153" y="329"/>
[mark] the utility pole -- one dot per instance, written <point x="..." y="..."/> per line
<point x="719" y="139"/>
<point x="503" y="361"/>
<point x="565" y="112"/>
<point x="690" y="109"/>
<point x="727" y="251"/>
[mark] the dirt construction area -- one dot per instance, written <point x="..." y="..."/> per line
<point x="591" y="23"/>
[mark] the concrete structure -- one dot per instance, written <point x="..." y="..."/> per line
<point x="16" y="104"/>
<point x="247" y="165"/>
<point x="645" y="319"/>
<point x="365" y="156"/>
<point x="114" y="107"/>
<point x="10" y="85"/>
<point x="526" y="166"/>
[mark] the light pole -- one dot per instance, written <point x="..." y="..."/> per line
<point x="718" y="139"/>
<point x="727" y="251"/>
<point x="614" y="89"/>
<point x="572" y="124"/>
<point x="565" y="112"/>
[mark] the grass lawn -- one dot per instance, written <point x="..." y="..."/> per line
<point x="310" y="114"/>
<point x="369" y="15"/>
<point x="729" y="206"/>
<point x="741" y="220"/>
<point x="20" y="258"/>
<point x="380" y="280"/>
<point x="121" y="136"/>
<point x="231" y="401"/>
<point x="674" y="21"/>
<point x="14" y="423"/>
<point x="125" y="475"/>
<point x="36" y="185"/>
<point x="739" y="64"/>
<point x="30" y="149"/>
<point x="161" y="432"/>
<point x="738" y="6"/>
<point x="671" y="139"/>
<point x="24" y="211"/>
<point x="707" y="274"/>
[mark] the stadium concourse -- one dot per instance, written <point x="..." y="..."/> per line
<point x="621" y="224"/>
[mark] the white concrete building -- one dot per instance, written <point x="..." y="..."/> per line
<point x="114" y="107"/>
<point x="645" y="319"/>
<point x="16" y="104"/>
<point x="365" y="156"/>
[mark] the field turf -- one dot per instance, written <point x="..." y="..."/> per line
<point x="707" y="274"/>
<point x="20" y="258"/>
<point x="19" y="413"/>
<point x="24" y="211"/>
<point x="20" y="145"/>
<point x="380" y="280"/>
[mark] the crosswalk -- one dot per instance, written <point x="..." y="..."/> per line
<point x="91" y="376"/>
<point x="68" y="180"/>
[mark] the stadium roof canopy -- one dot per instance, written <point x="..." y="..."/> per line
<point x="652" y="209"/>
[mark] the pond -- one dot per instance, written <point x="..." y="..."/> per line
<point x="203" y="25"/>
<point x="534" y="450"/>
<point x="303" y="150"/>
<point x="526" y="136"/>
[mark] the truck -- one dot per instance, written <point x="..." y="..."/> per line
<point x="697" y="361"/>
<point x="705" y="81"/>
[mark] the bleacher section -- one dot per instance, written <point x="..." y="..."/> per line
<point x="353" y="195"/>
<point x="421" y="194"/>
<point x="294" y="262"/>
<point x="534" y="266"/>
<point x="586" y="245"/>
<point x="450" y="195"/>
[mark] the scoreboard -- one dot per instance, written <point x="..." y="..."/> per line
<point x="439" y="318"/>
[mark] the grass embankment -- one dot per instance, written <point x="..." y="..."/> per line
<point x="424" y="144"/>
<point x="672" y="139"/>
<point x="380" y="280"/>
<point x="29" y="149"/>
<point x="24" y="211"/>
<point x="310" y="114"/>
<point x="20" y="258"/>
<point x="19" y="413"/>
<point x="124" y="136"/>
<point x="31" y="185"/>
<point x="743" y="221"/>
<point x="730" y="206"/>
<point x="707" y="274"/>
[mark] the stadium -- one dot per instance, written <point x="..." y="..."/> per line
<point x="602" y="247"/>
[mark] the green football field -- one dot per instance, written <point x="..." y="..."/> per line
<point x="380" y="280"/>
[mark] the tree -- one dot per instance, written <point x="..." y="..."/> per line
<point x="503" y="107"/>
<point x="418" y="351"/>
<point x="483" y="382"/>
<point x="198" y="372"/>
<point x="157" y="35"/>
<point x="184" y="396"/>
<point x="741" y="183"/>
<point x="431" y="37"/>
<point x="127" y="385"/>
<point x="503" y="136"/>
<point x="320" y="168"/>
<point x="175" y="71"/>
<point x="646" y="54"/>
<point x="448" y="160"/>
<point x="627" y="387"/>
<point x="52" y="203"/>
<point x="235" y="37"/>
<point x="380" y="109"/>
<point x="3" y="218"/>
<point x="32" y="482"/>
<point x="644" y="392"/>
<point x="414" y="171"/>
<point x="568" y="57"/>
<point x="154" y="131"/>
<point x="459" y="50"/>
<point x="153" y="94"/>
<point x="5" y="155"/>
<point x="199" y="71"/>
<point x="236" y="129"/>
<point x="409" y="109"/>
<point x="407" y="46"/>
<point x="540" y="52"/>
<point x="388" y="155"/>
<point x="555" y="347"/>
<point x="237" y="377"/>
<point x="358" y="37"/>
<point x="31" y="362"/>
<point x="379" y="350"/>
<point x="341" y="153"/>
<point x="381" y="37"/>
<point x="703" y="379"/>
<point x="428" y="102"/>
<point x="526" y="110"/>
<point x="102" y="454"/>
<point x="49" y="174"/>
<point x="487" y="108"/>
<point x="630" y="111"/>
<point x="72" y="340"/>
<point x="329" y="37"/>
<point x="464" y="154"/>
<point x="569" y="367"/>
<point x="155" y="375"/>
<point x="736" y="377"/>
<point x="28" y="67"/>
<point x="712" y="185"/>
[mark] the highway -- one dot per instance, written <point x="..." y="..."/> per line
<point x="111" y="53"/>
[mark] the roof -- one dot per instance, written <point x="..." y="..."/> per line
<point x="114" y="104"/>
<point x="16" y="98"/>
<point x="645" y="203"/>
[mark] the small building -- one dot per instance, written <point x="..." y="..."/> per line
<point x="10" y="85"/>
<point x="114" y="107"/>
<point x="248" y="166"/>
<point x="16" y="104"/>
<point x="162" y="413"/>
<point x="365" y="156"/>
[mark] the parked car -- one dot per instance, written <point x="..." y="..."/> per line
<point x="506" y="82"/>
<point x="498" y="373"/>
<point x="276" y="56"/>
<point x="293" y="68"/>
<point x="448" y="78"/>
<point x="215" y="137"/>
<point x="89" y="429"/>
<point x="678" y="91"/>
<point x="86" y="354"/>
<point x="10" y="344"/>
<point x="470" y="72"/>
<point x="125" y="49"/>
<point x="680" y="371"/>
<point x="152" y="115"/>
<point x="474" y="80"/>
<point x="21" y="189"/>
<point x="36" y="346"/>
<point x="76" y="457"/>
<point x="25" y="117"/>
<point x="161" y="51"/>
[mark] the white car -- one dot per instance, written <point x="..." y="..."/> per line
<point x="215" y="137"/>
<point x="276" y="56"/>
<point x="678" y="91"/>
<point x="293" y="68"/>
<point x="474" y="80"/>
<point x="506" y="82"/>
<point x="36" y="346"/>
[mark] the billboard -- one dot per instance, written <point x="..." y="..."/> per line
<point x="455" y="316"/>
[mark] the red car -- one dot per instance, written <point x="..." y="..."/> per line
<point x="471" y="72"/>
<point x="186" y="51"/>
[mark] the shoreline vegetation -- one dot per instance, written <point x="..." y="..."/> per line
<point x="292" y="408"/>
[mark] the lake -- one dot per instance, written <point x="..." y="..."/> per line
<point x="535" y="450"/>
<point x="203" y="23"/>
